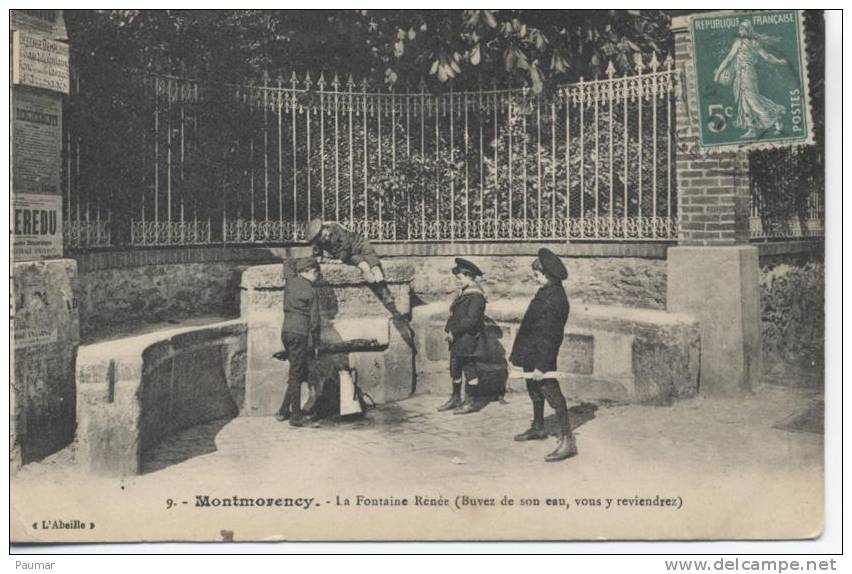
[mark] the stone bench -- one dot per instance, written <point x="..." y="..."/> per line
<point x="616" y="353"/>
<point x="354" y="321"/>
<point x="133" y="392"/>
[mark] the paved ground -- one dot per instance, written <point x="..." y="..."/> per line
<point x="746" y="456"/>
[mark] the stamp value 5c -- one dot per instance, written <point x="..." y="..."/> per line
<point x="752" y="79"/>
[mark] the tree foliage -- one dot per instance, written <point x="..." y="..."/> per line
<point x="456" y="48"/>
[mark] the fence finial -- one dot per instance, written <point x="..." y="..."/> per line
<point x="294" y="81"/>
<point x="335" y="82"/>
<point x="350" y="83"/>
<point x="321" y="82"/>
<point x="639" y="62"/>
<point x="363" y="84"/>
<point x="308" y="81"/>
<point x="669" y="62"/>
<point x="279" y="95"/>
<point x="610" y="70"/>
<point x="422" y="85"/>
<point x="654" y="62"/>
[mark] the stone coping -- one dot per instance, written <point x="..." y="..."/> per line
<point x="122" y="257"/>
<point x="813" y="247"/>
<point x="136" y="350"/>
<point x="599" y="316"/>
<point x="271" y="277"/>
<point x="130" y="353"/>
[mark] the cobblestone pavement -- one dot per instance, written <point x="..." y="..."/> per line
<point x="431" y="446"/>
<point x="765" y="441"/>
<point x="720" y="432"/>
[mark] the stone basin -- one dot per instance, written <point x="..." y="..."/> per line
<point x="356" y="326"/>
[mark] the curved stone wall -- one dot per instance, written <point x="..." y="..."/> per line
<point x="133" y="392"/>
<point x="125" y="290"/>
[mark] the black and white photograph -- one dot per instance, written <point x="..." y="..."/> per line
<point x="412" y="275"/>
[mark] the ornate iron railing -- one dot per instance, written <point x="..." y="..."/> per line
<point x="86" y="234"/>
<point x="151" y="233"/>
<point x="587" y="161"/>
<point x="247" y="231"/>
<point x="787" y="193"/>
<point x="793" y="228"/>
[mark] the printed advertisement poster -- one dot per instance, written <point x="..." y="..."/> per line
<point x="36" y="226"/>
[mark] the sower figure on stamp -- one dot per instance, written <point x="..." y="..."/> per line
<point x="300" y="334"/>
<point x="756" y="113"/>
<point x="337" y="242"/>
<point x="537" y="347"/>
<point x="464" y="335"/>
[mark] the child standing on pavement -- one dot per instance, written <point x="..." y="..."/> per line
<point x="464" y="336"/>
<point x="537" y="347"/>
<point x="300" y="334"/>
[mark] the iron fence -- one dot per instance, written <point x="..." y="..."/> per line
<point x="83" y="234"/>
<point x="787" y="193"/>
<point x="170" y="232"/>
<point x="586" y="161"/>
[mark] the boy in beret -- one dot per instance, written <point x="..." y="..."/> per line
<point x="536" y="348"/>
<point x="300" y="333"/>
<point x="464" y="330"/>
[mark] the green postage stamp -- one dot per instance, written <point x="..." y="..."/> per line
<point x="751" y="77"/>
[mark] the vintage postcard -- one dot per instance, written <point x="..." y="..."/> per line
<point x="417" y="275"/>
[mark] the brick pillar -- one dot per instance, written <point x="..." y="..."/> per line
<point x="713" y="272"/>
<point x="713" y="188"/>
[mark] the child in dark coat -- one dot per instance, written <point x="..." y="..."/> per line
<point x="300" y="333"/>
<point x="464" y="335"/>
<point x="537" y="347"/>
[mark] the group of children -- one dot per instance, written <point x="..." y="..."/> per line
<point x="535" y="349"/>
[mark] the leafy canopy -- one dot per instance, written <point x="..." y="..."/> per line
<point x="459" y="48"/>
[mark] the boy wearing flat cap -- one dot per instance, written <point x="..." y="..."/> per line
<point x="352" y="249"/>
<point x="536" y="348"/>
<point x="300" y="333"/>
<point x="349" y="247"/>
<point x="464" y="330"/>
